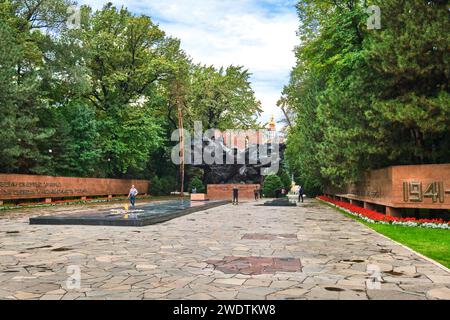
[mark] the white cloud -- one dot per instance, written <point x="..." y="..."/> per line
<point x="258" y="34"/>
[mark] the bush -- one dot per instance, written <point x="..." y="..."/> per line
<point x="272" y="183"/>
<point x="197" y="184"/>
<point x="162" y="186"/>
<point x="285" y="179"/>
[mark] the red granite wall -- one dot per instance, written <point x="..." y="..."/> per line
<point x="225" y="191"/>
<point x="415" y="186"/>
<point x="18" y="186"/>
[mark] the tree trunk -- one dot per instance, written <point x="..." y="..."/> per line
<point x="180" y="127"/>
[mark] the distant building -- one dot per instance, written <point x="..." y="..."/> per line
<point x="241" y="139"/>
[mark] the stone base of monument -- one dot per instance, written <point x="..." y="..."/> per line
<point x="280" y="203"/>
<point x="199" y="197"/>
<point x="225" y="191"/>
<point x="136" y="217"/>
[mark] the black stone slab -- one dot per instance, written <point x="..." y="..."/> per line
<point x="106" y="218"/>
<point x="280" y="203"/>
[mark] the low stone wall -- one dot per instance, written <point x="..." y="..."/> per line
<point x="199" y="197"/>
<point x="225" y="191"/>
<point x="18" y="186"/>
<point x="398" y="187"/>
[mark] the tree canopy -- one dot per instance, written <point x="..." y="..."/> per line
<point x="368" y="98"/>
<point x="102" y="100"/>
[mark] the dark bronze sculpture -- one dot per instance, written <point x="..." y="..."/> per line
<point x="248" y="165"/>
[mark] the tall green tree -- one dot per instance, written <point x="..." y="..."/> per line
<point x="223" y="98"/>
<point x="126" y="58"/>
<point x="366" y="99"/>
<point x="103" y="99"/>
<point x="23" y="70"/>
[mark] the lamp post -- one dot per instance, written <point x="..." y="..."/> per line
<point x="109" y="166"/>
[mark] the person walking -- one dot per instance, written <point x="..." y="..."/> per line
<point x="256" y="192"/>
<point x="235" y="195"/>
<point x="300" y="194"/>
<point x="132" y="195"/>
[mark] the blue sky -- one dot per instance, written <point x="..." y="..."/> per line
<point x="258" y="34"/>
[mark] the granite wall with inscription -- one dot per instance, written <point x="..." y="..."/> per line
<point x="18" y="186"/>
<point x="416" y="186"/>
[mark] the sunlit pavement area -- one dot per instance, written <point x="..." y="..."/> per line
<point x="229" y="252"/>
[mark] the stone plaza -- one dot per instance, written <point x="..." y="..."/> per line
<point x="246" y="252"/>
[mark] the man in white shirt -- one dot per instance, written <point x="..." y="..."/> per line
<point x="132" y="195"/>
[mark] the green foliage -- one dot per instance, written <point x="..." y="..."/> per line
<point x="197" y="183"/>
<point x="162" y="186"/>
<point x="365" y="99"/>
<point x="272" y="183"/>
<point x="22" y="53"/>
<point x="74" y="143"/>
<point x="101" y="100"/>
<point x="286" y="180"/>
<point x="223" y="98"/>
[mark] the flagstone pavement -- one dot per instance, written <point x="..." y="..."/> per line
<point x="228" y="252"/>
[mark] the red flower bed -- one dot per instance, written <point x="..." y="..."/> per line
<point x="374" y="215"/>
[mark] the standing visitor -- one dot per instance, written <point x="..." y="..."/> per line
<point x="132" y="195"/>
<point x="300" y="194"/>
<point x="235" y="195"/>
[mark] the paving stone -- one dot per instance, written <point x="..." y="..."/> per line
<point x="439" y="293"/>
<point x="199" y="296"/>
<point x="439" y="279"/>
<point x="231" y="281"/>
<point x="392" y="295"/>
<point x="51" y="297"/>
<point x="408" y="270"/>
<point x="230" y="295"/>
<point x="291" y="292"/>
<point x="352" y="295"/>
<point x="245" y="252"/>
<point x="21" y="295"/>
<point x="146" y="266"/>
<point x="281" y="284"/>
<point x="258" y="282"/>
<point x="105" y="259"/>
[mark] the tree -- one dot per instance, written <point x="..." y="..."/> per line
<point x="197" y="183"/>
<point x="126" y="60"/>
<point x="285" y="179"/>
<point x="272" y="183"/>
<point x="176" y="85"/>
<point x="410" y="54"/>
<point x="39" y="14"/>
<point x="74" y="143"/>
<point x="222" y="99"/>
<point x="162" y="186"/>
<point x="21" y="74"/>
<point x="103" y="99"/>
<point x="363" y="99"/>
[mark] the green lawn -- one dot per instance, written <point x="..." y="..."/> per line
<point x="433" y="243"/>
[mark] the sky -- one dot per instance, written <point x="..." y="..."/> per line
<point x="257" y="34"/>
